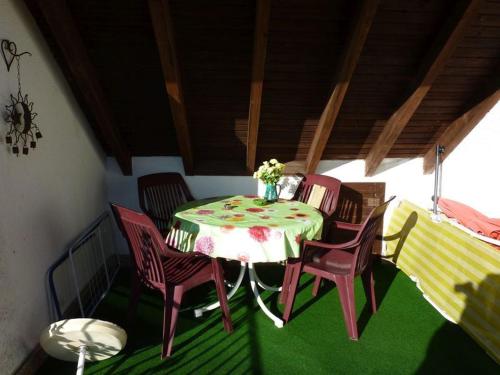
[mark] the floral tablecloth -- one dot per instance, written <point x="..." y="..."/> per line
<point x="237" y="228"/>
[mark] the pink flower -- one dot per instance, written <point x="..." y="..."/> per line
<point x="204" y="245"/>
<point x="259" y="233"/>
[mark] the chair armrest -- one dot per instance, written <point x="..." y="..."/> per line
<point x="346" y="226"/>
<point x="331" y="246"/>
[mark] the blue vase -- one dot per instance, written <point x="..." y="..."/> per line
<point x="271" y="194"/>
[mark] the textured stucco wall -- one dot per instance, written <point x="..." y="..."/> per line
<point x="47" y="197"/>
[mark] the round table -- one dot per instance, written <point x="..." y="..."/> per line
<point x="237" y="228"/>
<point x="82" y="339"/>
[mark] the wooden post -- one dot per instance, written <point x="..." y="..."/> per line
<point x="258" y="65"/>
<point x="458" y="130"/>
<point x="164" y="34"/>
<point x="56" y="22"/>
<point x="430" y="68"/>
<point x="343" y="77"/>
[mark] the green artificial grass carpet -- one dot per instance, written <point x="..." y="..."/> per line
<point x="406" y="336"/>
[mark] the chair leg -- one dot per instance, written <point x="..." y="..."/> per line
<point x="369" y="286"/>
<point x="172" y="304"/>
<point x="345" y="285"/>
<point x="284" y="286"/>
<point x="316" y="286"/>
<point x="295" y="271"/>
<point x="135" y="295"/>
<point x="221" y="294"/>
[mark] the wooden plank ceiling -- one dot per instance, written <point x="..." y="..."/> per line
<point x="295" y="51"/>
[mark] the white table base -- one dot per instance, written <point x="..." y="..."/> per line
<point x="81" y="360"/>
<point x="254" y="282"/>
<point x="94" y="339"/>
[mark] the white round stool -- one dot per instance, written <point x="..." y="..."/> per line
<point x="82" y="339"/>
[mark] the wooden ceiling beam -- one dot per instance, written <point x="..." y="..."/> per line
<point x="59" y="28"/>
<point x="164" y="34"/>
<point x="430" y="68"/>
<point x="258" y="65"/>
<point x="347" y="66"/>
<point x="459" y="129"/>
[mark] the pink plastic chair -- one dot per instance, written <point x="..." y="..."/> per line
<point x="329" y="202"/>
<point x="168" y="271"/>
<point x="340" y="263"/>
<point x="160" y="194"/>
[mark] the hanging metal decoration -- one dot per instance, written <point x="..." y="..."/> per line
<point x="23" y="131"/>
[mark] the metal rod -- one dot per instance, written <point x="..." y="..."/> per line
<point x="251" y="273"/>
<point x="199" y="312"/>
<point x="101" y="245"/>
<point x="437" y="178"/>
<point x="81" y="360"/>
<point x="76" y="284"/>
<point x="264" y="285"/>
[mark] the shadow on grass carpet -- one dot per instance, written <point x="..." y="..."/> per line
<point x="406" y="336"/>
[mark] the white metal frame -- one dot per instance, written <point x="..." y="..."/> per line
<point x="255" y="281"/>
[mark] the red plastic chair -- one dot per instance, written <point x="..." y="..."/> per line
<point x="160" y="194"/>
<point x="329" y="202"/>
<point x="327" y="206"/>
<point x="340" y="263"/>
<point x="168" y="271"/>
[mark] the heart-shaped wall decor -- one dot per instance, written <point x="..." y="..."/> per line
<point x="9" y="52"/>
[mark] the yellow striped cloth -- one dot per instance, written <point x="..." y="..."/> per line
<point x="458" y="274"/>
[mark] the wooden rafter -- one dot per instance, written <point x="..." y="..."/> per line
<point x="459" y="129"/>
<point x="56" y="22"/>
<point x="430" y="68"/>
<point x="164" y="34"/>
<point x="343" y="77"/>
<point x="258" y="65"/>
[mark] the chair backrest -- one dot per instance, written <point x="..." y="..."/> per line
<point x="329" y="202"/>
<point x="160" y="194"/>
<point x="145" y="243"/>
<point x="366" y="237"/>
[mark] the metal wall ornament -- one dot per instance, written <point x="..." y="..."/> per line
<point x="23" y="131"/>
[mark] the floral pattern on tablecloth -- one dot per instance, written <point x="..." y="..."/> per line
<point x="237" y="228"/>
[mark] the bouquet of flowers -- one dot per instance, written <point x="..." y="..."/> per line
<point x="270" y="172"/>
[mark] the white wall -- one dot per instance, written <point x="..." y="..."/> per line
<point x="47" y="197"/>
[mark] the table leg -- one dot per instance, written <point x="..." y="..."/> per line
<point x="253" y="276"/>
<point x="81" y="360"/>
<point x="264" y="285"/>
<point x="199" y="312"/>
